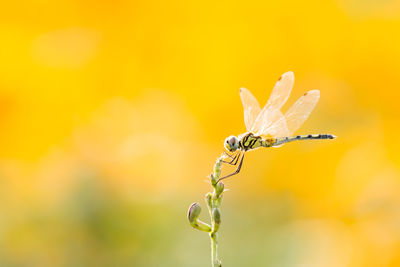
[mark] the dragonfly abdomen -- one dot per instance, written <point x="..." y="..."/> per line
<point x="283" y="140"/>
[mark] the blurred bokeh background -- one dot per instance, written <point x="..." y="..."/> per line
<point x="112" y="114"/>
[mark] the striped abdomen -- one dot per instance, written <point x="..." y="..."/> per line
<point x="283" y="140"/>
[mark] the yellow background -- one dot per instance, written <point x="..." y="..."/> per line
<point x="112" y="114"/>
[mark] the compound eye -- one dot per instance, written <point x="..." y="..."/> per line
<point x="232" y="141"/>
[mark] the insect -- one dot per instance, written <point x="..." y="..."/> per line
<point x="268" y="127"/>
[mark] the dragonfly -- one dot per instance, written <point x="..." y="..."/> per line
<point x="269" y="127"/>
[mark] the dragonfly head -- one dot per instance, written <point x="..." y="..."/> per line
<point x="231" y="143"/>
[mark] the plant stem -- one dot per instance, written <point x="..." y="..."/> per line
<point x="213" y="201"/>
<point x="214" y="254"/>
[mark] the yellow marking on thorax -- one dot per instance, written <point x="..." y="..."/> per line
<point x="250" y="141"/>
<point x="256" y="143"/>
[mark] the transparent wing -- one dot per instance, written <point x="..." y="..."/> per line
<point x="294" y="117"/>
<point x="299" y="112"/>
<point x="271" y="111"/>
<point x="277" y="129"/>
<point x="251" y="108"/>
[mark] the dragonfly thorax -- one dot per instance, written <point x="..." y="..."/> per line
<point x="250" y="141"/>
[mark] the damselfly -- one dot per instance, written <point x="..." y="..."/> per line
<point x="268" y="127"/>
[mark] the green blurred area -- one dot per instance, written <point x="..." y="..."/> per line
<point x="96" y="227"/>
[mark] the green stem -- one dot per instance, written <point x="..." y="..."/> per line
<point x="213" y="201"/>
<point x="214" y="254"/>
<point x="216" y="198"/>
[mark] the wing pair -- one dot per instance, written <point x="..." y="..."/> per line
<point x="270" y="121"/>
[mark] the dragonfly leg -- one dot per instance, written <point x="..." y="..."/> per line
<point x="235" y="172"/>
<point x="234" y="159"/>
<point x="229" y="155"/>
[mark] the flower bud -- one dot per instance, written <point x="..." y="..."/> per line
<point x="216" y="219"/>
<point x="213" y="179"/>
<point x="209" y="200"/>
<point x="194" y="212"/>
<point x="217" y="170"/>
<point x="219" y="189"/>
<point x="217" y="167"/>
<point x="193" y="215"/>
